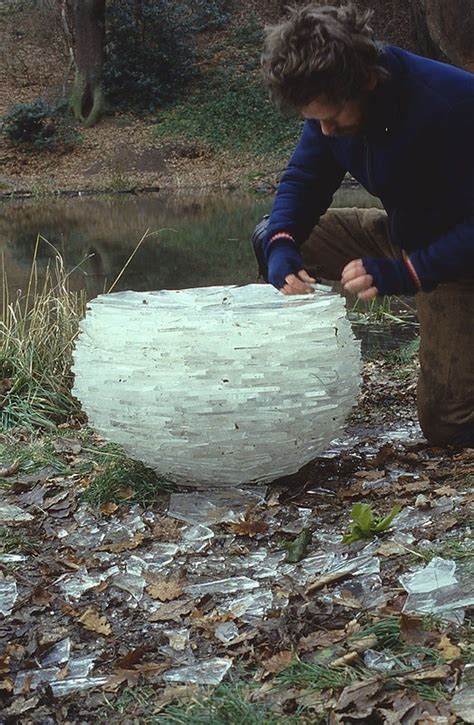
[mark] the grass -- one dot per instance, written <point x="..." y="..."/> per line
<point x="227" y="704"/>
<point x="123" y="479"/>
<point x="230" y="108"/>
<point x="37" y="332"/>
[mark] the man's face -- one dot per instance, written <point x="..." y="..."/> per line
<point x="338" y="119"/>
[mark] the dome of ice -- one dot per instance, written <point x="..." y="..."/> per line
<point x="218" y="385"/>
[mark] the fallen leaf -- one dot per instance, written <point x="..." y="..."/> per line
<point x="250" y="525"/>
<point x="95" y="622"/>
<point x="278" y="662"/>
<point x="6" y="684"/>
<point x="436" y="673"/>
<point x="166" y="588"/>
<point x="181" y="694"/>
<point x="120" y="546"/>
<point x="297" y="549"/>
<point x="411" y="630"/>
<point x="449" y="650"/>
<point x="130" y="659"/>
<point x="9" y="470"/>
<point x="320" y="638"/>
<point x="167" y="529"/>
<point x="4" y="664"/>
<point x="360" y="696"/>
<point x="126" y="492"/>
<point x="384" y="454"/>
<point x="390" y="548"/>
<point x="171" y="611"/>
<point x="373" y="475"/>
<point x="445" y="491"/>
<point x="67" y="445"/>
<point x="109" y="508"/>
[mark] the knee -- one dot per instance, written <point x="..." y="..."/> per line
<point x="446" y="424"/>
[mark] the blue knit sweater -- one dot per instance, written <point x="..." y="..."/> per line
<point x="417" y="156"/>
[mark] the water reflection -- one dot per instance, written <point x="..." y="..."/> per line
<point x="196" y="239"/>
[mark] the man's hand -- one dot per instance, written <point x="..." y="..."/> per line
<point x="297" y="284"/>
<point x="355" y="279"/>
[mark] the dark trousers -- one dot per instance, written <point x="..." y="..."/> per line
<point x="445" y="394"/>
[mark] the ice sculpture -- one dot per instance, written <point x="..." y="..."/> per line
<point x="218" y="385"/>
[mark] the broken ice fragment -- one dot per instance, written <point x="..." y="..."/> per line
<point x="213" y="506"/>
<point x="438" y="573"/>
<point x="12" y="558"/>
<point x="8" y="595"/>
<point x="77" y="684"/>
<point x="378" y="661"/>
<point x="57" y="654"/>
<point x="13" y="514"/>
<point x="226" y="631"/>
<point x="74" y="585"/>
<point x="178" y="638"/>
<point x="204" y="673"/>
<point x="439" y="588"/>
<point x="196" y="538"/>
<point x="249" y="606"/>
<point x="222" y="586"/>
<point x="463" y="701"/>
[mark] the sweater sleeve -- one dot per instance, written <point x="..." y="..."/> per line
<point x="307" y="186"/>
<point x="451" y="255"/>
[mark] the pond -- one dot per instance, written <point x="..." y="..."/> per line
<point x="194" y="239"/>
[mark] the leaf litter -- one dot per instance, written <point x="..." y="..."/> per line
<point x="206" y="586"/>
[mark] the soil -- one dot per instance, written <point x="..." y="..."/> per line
<point x="122" y="151"/>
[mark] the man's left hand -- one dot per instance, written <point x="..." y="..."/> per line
<point x="355" y="279"/>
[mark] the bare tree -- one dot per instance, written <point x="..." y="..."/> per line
<point x="447" y="27"/>
<point x="84" y="20"/>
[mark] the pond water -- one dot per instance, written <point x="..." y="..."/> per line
<point x="195" y="239"/>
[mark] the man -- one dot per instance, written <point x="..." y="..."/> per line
<point x="403" y="126"/>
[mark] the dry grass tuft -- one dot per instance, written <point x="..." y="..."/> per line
<point x="37" y="333"/>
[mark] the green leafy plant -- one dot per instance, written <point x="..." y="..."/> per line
<point x="365" y="525"/>
<point x="40" y="125"/>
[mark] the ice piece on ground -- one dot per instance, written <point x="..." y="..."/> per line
<point x="178" y="638"/>
<point x="160" y="556"/>
<point x="13" y="514"/>
<point x="367" y="590"/>
<point x="74" y="585"/>
<point x="8" y="595"/>
<point x="12" y="558"/>
<point x="226" y="631"/>
<point x="249" y="606"/>
<point x="439" y="573"/>
<point x="196" y="538"/>
<point x="204" y="673"/>
<point x="462" y="703"/>
<point x="77" y="684"/>
<point x="132" y="579"/>
<point x="214" y="506"/>
<point x="77" y="678"/>
<point x="222" y="586"/>
<point x="57" y="654"/>
<point x="411" y="518"/>
<point x="440" y="588"/>
<point x="378" y="661"/>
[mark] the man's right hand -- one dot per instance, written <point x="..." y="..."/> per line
<point x="286" y="269"/>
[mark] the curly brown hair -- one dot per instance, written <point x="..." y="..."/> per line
<point x="320" y="50"/>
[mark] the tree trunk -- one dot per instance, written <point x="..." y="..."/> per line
<point x="87" y="98"/>
<point x="447" y="28"/>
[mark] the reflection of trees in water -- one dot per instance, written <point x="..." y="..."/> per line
<point x="201" y="239"/>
